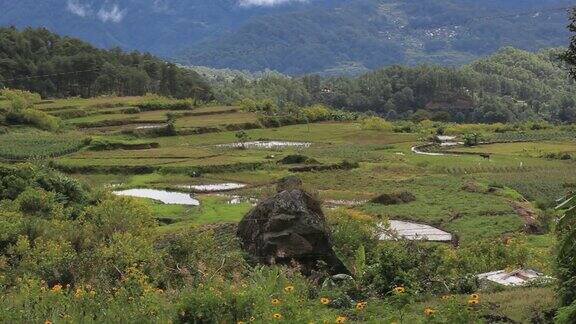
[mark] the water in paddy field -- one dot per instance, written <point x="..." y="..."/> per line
<point x="151" y="126"/>
<point x="166" y="197"/>
<point x="267" y="144"/>
<point x="215" y="187"/>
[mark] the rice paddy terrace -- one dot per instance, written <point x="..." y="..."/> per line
<point x="119" y="143"/>
<point x="193" y="168"/>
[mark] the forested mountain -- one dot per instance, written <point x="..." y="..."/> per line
<point x="511" y="85"/>
<point x="294" y="37"/>
<point x="54" y="66"/>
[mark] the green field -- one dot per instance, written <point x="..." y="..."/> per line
<point x="470" y="196"/>
<point x="386" y="165"/>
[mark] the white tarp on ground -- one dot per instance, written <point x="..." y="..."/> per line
<point x="414" y="231"/>
<point x="512" y="278"/>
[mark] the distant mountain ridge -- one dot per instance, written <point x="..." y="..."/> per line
<point x="302" y="36"/>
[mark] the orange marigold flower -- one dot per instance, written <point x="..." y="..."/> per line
<point x="429" y="311"/>
<point x="340" y="319"/>
<point x="324" y="301"/>
<point x="275" y="301"/>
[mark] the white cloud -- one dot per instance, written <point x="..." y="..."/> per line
<point x="78" y="8"/>
<point x="112" y="14"/>
<point x="265" y="3"/>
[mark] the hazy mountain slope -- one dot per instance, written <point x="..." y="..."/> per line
<point x="159" y="26"/>
<point x="375" y="33"/>
<point x="298" y="36"/>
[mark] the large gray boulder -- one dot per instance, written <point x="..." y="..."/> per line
<point x="290" y="227"/>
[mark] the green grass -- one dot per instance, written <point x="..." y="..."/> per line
<point x="216" y="120"/>
<point x="441" y="201"/>
<point x="531" y="149"/>
<point x="212" y="209"/>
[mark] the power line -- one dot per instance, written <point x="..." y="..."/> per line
<point x="50" y="75"/>
<point x="64" y="73"/>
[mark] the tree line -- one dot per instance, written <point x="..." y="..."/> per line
<point x="37" y="60"/>
<point x="510" y="86"/>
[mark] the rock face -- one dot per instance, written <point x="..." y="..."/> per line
<point x="289" y="227"/>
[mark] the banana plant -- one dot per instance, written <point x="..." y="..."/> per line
<point x="567" y="250"/>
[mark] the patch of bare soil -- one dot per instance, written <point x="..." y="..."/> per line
<point x="528" y="215"/>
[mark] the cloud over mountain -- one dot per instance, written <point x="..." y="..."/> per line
<point x="269" y="3"/>
<point x="112" y="14"/>
<point x="78" y="8"/>
<point x="106" y="13"/>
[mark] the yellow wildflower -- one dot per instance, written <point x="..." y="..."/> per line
<point x="324" y="301"/>
<point x="57" y="288"/>
<point x="340" y="319"/>
<point x="275" y="301"/>
<point x="473" y="302"/>
<point x="277" y="315"/>
<point x="361" y="305"/>
<point x="289" y="289"/>
<point x="429" y="311"/>
<point x="399" y="290"/>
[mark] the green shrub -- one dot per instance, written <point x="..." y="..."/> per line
<point x="558" y="156"/>
<point x="20" y="99"/>
<point x="402" y="197"/>
<point x="36" y="202"/>
<point x="376" y="123"/>
<point x="156" y="102"/>
<point x="472" y="139"/>
<point x="36" y="118"/>
<point x="297" y="159"/>
<point x="317" y="113"/>
<point x="266" y="106"/>
<point x="109" y="145"/>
